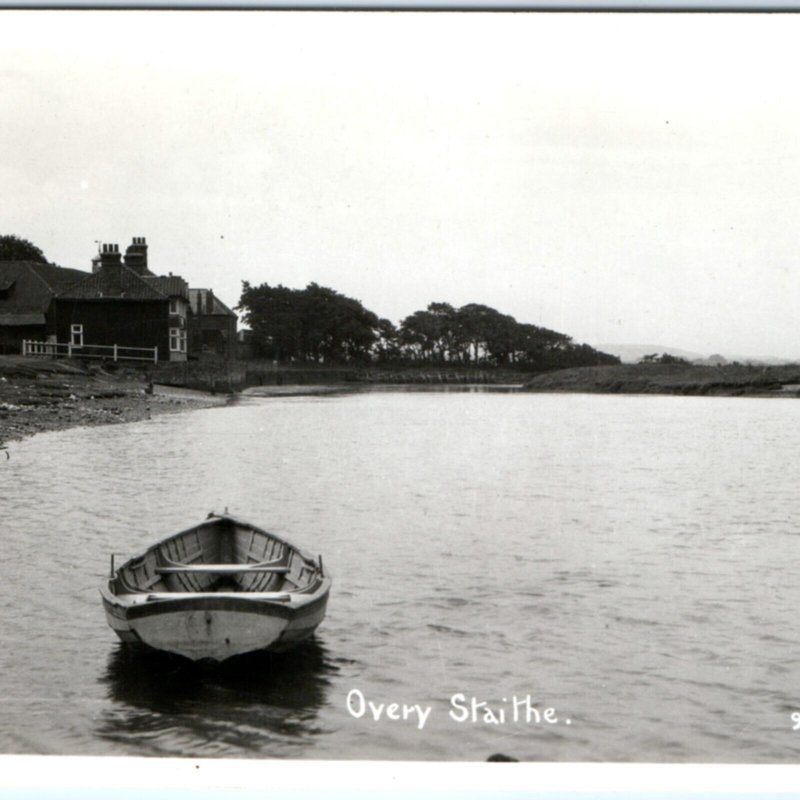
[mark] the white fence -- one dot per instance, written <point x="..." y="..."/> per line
<point x="111" y="352"/>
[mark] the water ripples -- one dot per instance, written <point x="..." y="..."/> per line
<point x="627" y="561"/>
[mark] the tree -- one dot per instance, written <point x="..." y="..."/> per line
<point x="13" y="248"/>
<point x="313" y="324"/>
<point x="419" y="334"/>
<point x="387" y="345"/>
<point x="273" y="315"/>
<point x="335" y="327"/>
<point x="482" y="328"/>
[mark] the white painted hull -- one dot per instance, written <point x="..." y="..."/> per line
<point x="214" y="635"/>
<point x="214" y="625"/>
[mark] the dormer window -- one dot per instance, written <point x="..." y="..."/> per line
<point x="7" y="289"/>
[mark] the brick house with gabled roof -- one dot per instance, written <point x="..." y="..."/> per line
<point x="26" y="291"/>
<point x="112" y="306"/>
<point x="121" y="302"/>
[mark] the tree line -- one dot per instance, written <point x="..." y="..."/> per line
<point x="319" y="325"/>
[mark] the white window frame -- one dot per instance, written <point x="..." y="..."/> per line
<point x="177" y="340"/>
<point x="177" y="307"/>
<point x="76" y="335"/>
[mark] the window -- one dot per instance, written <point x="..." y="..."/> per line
<point x="177" y="340"/>
<point x="76" y="339"/>
<point x="177" y="306"/>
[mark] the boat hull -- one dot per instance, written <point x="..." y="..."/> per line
<point x="210" y="629"/>
<point x="190" y="608"/>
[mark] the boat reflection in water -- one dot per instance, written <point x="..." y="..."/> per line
<point x="259" y="705"/>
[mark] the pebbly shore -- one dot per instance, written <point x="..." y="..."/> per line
<point x="38" y="395"/>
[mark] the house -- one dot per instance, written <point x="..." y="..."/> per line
<point x="26" y="291"/>
<point x="212" y="327"/>
<point x="124" y="303"/>
<point x="114" y="305"/>
<point x="173" y="286"/>
<point x="121" y="303"/>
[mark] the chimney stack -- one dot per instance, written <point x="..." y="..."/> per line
<point x="108" y="256"/>
<point x="136" y="256"/>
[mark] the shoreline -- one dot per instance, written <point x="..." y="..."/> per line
<point x="47" y="396"/>
<point x="40" y="396"/>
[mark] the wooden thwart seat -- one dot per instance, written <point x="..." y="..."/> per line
<point x="219" y="569"/>
<point x="281" y="597"/>
<point x="170" y="567"/>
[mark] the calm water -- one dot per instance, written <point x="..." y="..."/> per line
<point x="628" y="561"/>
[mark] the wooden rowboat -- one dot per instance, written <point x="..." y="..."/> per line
<point x="218" y="589"/>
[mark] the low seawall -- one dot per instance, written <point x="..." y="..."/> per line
<point x="235" y="376"/>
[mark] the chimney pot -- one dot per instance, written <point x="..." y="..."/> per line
<point x="108" y="255"/>
<point x="136" y="255"/>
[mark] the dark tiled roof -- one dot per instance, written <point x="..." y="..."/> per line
<point x="30" y="287"/>
<point x="112" y="282"/>
<point x="58" y="278"/>
<point x="170" y="285"/>
<point x="199" y="303"/>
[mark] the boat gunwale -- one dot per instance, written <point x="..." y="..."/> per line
<point x="241" y="605"/>
<point x="325" y="581"/>
<point x="298" y="602"/>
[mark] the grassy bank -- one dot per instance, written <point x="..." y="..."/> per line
<point x="38" y="395"/>
<point x="733" y="380"/>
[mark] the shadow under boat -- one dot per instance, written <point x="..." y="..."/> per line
<point x="251" y="699"/>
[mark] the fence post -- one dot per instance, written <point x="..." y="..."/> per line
<point x="115" y="351"/>
<point x="23" y="347"/>
<point x="69" y="349"/>
<point x="155" y="354"/>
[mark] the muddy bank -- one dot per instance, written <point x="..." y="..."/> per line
<point x="38" y="395"/>
<point x="733" y="380"/>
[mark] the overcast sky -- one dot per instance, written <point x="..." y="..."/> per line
<point x="619" y="178"/>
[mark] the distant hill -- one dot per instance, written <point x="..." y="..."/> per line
<point x="633" y="353"/>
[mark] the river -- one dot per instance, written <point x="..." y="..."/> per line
<point x="612" y="577"/>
